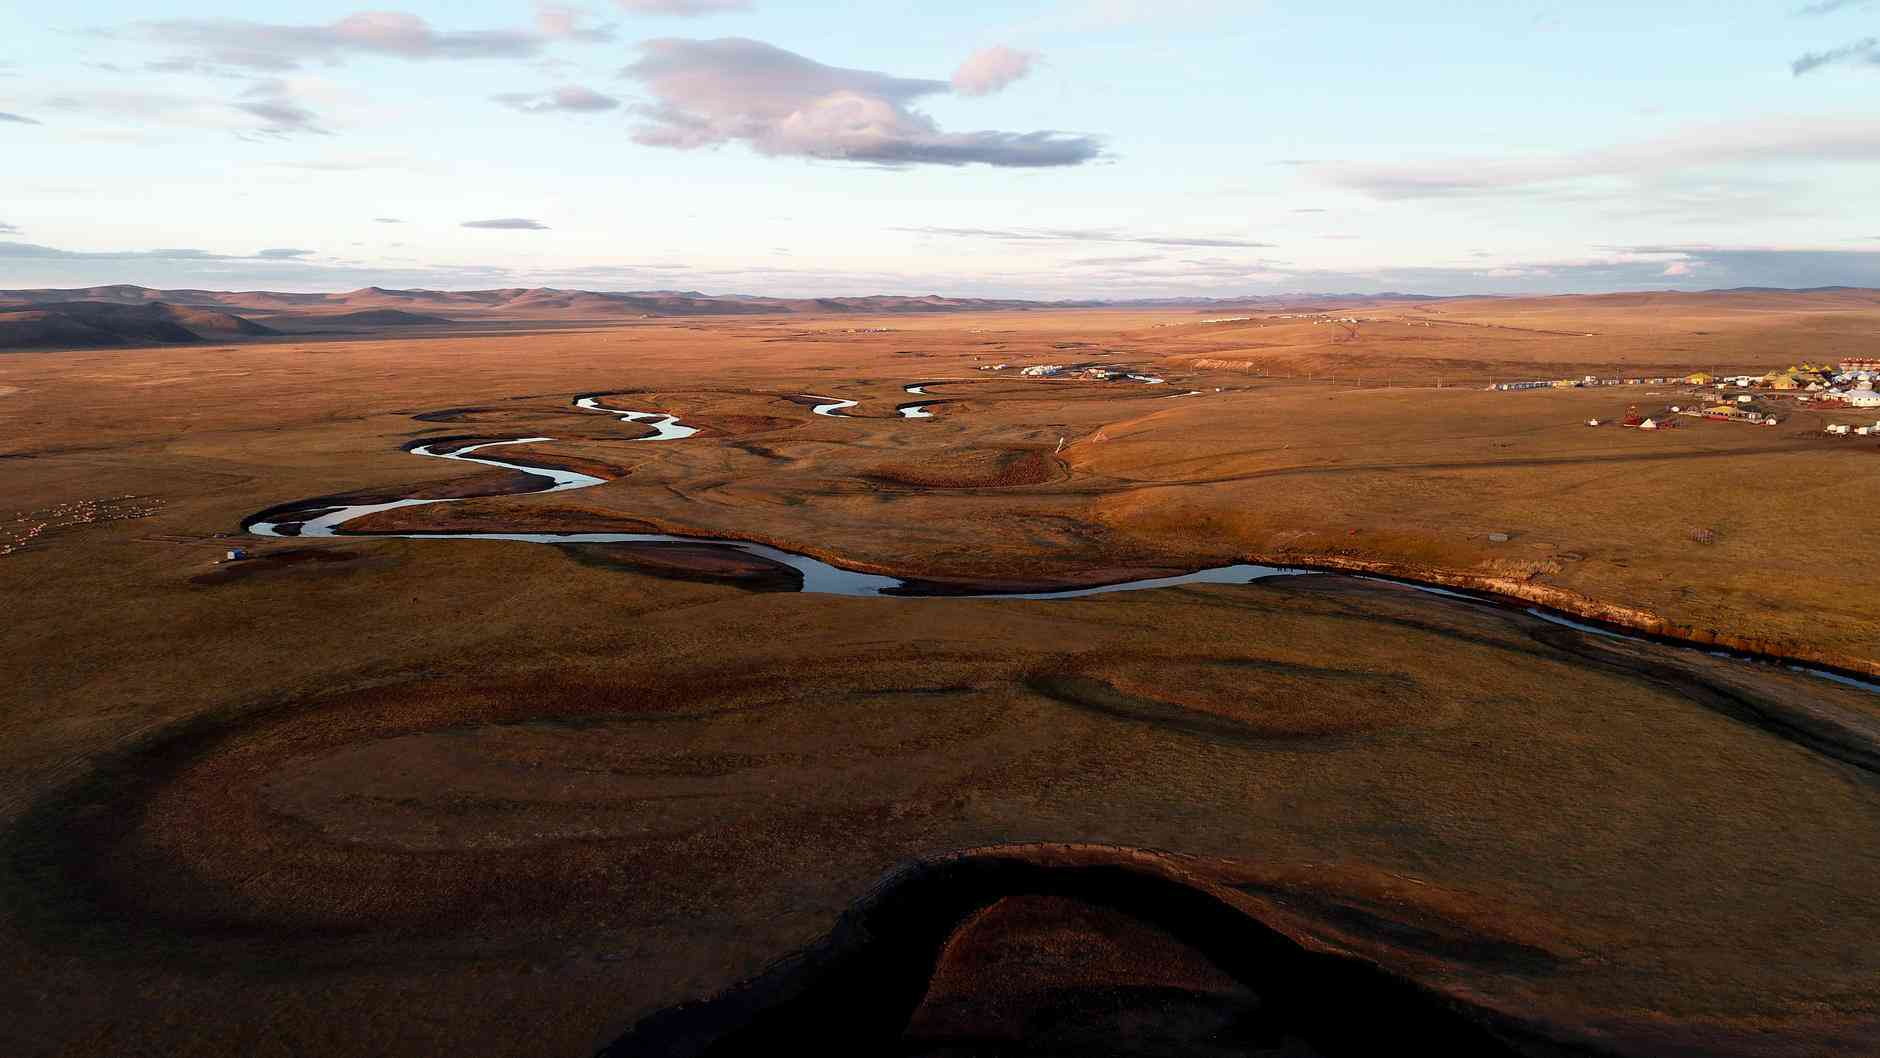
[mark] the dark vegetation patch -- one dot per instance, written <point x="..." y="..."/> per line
<point x="1240" y="700"/>
<point x="895" y="974"/>
<point x="492" y="482"/>
<point x="689" y="562"/>
<point x="276" y="562"/>
<point x="970" y="468"/>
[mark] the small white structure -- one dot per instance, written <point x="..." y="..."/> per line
<point x="1838" y="429"/>
<point x="1042" y="370"/>
<point x="1648" y="424"/>
<point x="1592" y="422"/>
<point x="235" y="554"/>
<point x="1744" y="399"/>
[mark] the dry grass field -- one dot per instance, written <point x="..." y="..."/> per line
<point x="408" y="796"/>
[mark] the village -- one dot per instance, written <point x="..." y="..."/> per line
<point x="1095" y="373"/>
<point x="1750" y="399"/>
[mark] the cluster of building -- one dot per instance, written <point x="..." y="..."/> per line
<point x="1851" y="382"/>
<point x="1593" y="380"/>
<point x="1727" y="412"/>
<point x="1099" y="374"/>
<point x="1847" y="384"/>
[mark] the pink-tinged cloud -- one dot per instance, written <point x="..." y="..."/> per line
<point x="563" y="22"/>
<point x="276" y="46"/>
<point x="569" y="98"/>
<point x="990" y="70"/>
<point x="711" y="92"/>
<point x="687" y="8"/>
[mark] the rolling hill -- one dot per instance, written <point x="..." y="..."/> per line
<point x="92" y="324"/>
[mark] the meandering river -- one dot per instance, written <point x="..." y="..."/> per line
<point x="819" y="577"/>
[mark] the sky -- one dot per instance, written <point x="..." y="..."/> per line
<point x="1027" y="148"/>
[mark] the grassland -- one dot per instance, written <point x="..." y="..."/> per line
<point x="419" y="796"/>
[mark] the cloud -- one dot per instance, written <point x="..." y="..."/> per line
<point x="1083" y="16"/>
<point x="563" y="22"/>
<point x="1799" y="139"/>
<point x="507" y="224"/>
<point x="990" y="70"/>
<point x="18" y="118"/>
<point x="1679" y="268"/>
<point x="1087" y="235"/>
<point x="1175" y="274"/>
<point x="28" y="265"/>
<point x="31" y="251"/>
<point x="1828" y="7"/>
<point x="1090" y="262"/>
<point x="272" y="101"/>
<point x="1727" y="266"/>
<point x="571" y="98"/>
<point x="8" y="229"/>
<point x="1860" y="53"/>
<point x="688" y="8"/>
<point x="387" y="220"/>
<point x="279" y="46"/>
<point x="711" y="92"/>
<point x="267" y="107"/>
<point x="349" y="163"/>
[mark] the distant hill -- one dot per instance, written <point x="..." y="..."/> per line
<point x="374" y="307"/>
<point x="440" y="306"/>
<point x="364" y="319"/>
<point x="93" y="324"/>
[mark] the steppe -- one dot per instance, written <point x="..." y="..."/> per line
<point x="360" y="795"/>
